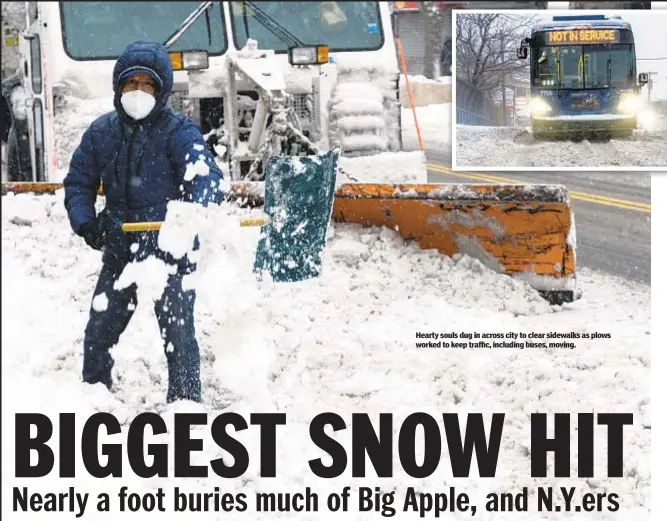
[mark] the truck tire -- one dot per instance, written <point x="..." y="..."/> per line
<point x="15" y="132"/>
<point x="364" y="119"/>
<point x="19" y="167"/>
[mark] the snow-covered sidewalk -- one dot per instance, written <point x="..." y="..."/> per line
<point x="343" y="343"/>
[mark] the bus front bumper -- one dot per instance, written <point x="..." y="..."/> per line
<point x="585" y="122"/>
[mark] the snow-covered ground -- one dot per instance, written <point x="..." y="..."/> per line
<point x="515" y="147"/>
<point x="343" y="343"/>
<point x="393" y="167"/>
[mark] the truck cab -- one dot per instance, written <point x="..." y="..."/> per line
<point x="72" y="47"/>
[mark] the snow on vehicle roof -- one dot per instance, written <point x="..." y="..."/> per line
<point x="608" y="23"/>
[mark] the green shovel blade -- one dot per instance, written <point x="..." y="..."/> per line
<point x="299" y="195"/>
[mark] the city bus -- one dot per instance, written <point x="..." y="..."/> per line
<point x="583" y="77"/>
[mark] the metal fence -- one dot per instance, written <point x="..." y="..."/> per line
<point x="465" y="117"/>
<point x="473" y="106"/>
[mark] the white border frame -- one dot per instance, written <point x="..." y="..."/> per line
<point x="556" y="12"/>
<point x="658" y="449"/>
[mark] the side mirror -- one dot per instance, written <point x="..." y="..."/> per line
<point x="643" y="78"/>
<point x="522" y="53"/>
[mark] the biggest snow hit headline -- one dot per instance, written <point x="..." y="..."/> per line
<point x="367" y="442"/>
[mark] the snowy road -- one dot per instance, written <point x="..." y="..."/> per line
<point x="512" y="147"/>
<point x="612" y="212"/>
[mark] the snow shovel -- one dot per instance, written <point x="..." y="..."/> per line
<point x="298" y="200"/>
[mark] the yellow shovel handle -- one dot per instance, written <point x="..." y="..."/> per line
<point x="259" y="221"/>
<point x="141" y="227"/>
<point x="153" y="226"/>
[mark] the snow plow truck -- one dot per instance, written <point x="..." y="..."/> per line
<point x="267" y="79"/>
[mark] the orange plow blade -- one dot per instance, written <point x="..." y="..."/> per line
<point x="520" y="230"/>
<point x="524" y="231"/>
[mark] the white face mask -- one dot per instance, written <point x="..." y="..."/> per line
<point x="137" y="103"/>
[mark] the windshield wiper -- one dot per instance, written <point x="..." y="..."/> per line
<point x="609" y="73"/>
<point x="207" y="16"/>
<point x="187" y="23"/>
<point x="272" y="26"/>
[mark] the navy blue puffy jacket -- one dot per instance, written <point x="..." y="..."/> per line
<point x="141" y="165"/>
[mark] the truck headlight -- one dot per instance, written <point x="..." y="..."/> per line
<point x="313" y="55"/>
<point x="189" y="60"/>
<point x="630" y="103"/>
<point x="539" y="106"/>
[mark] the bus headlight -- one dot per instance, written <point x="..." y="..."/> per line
<point x="630" y="103"/>
<point x="539" y="106"/>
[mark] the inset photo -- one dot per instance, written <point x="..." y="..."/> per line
<point x="560" y="89"/>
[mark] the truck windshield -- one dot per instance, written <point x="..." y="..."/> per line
<point x="101" y="30"/>
<point x="584" y="67"/>
<point x="343" y="26"/>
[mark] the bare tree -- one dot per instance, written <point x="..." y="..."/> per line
<point x="486" y="48"/>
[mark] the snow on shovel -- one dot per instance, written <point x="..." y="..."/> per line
<point x="298" y="202"/>
<point x="299" y="195"/>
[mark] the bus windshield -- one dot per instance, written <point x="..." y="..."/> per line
<point x="584" y="66"/>
<point x="101" y="30"/>
<point x="343" y="26"/>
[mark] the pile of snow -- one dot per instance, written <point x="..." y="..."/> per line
<point x="344" y="342"/>
<point x="371" y="64"/>
<point x="420" y="78"/>
<point x="509" y="147"/>
<point x="435" y="126"/>
<point x="388" y="167"/>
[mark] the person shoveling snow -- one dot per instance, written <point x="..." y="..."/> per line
<point x="145" y="155"/>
